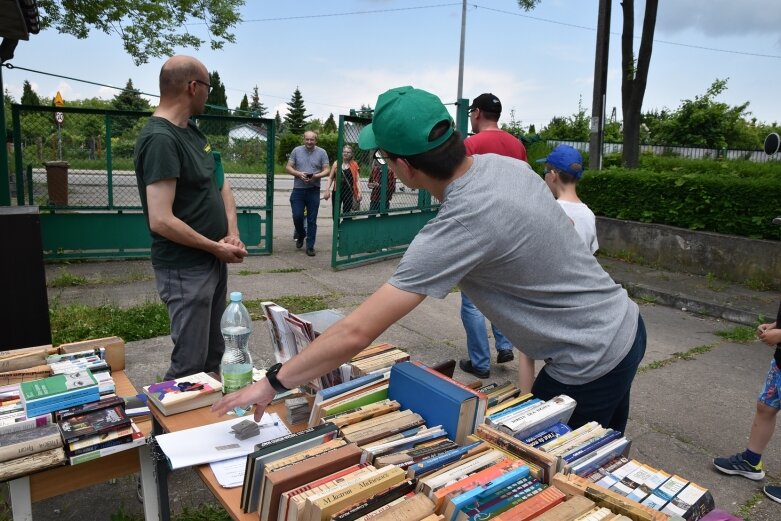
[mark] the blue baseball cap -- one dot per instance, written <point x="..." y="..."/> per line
<point x="566" y="159"/>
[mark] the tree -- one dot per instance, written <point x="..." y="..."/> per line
<point x="256" y="107"/>
<point x="329" y="126"/>
<point x="128" y="99"/>
<point x="217" y="104"/>
<point x="148" y="28"/>
<point x="295" y="119"/>
<point x="635" y="75"/>
<point x="573" y="128"/>
<point x="29" y="96"/>
<point x="8" y="100"/>
<point x="243" y="107"/>
<point x="635" y="72"/>
<point x="278" y="123"/>
<point x="366" y="111"/>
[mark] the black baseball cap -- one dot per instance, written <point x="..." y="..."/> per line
<point x="487" y="102"/>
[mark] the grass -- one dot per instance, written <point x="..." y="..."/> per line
<point x="294" y="303"/>
<point x="745" y="509"/>
<point x="676" y="357"/>
<point x="740" y="334"/>
<point x="203" y="512"/>
<point x="74" y="322"/>
<point x="65" y="279"/>
<point x="277" y="270"/>
<point x="244" y="273"/>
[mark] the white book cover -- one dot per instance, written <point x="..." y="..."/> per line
<point x="600" y="456"/>
<point x="558" y="409"/>
<point x="474" y="465"/>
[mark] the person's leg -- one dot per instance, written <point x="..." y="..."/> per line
<point x="476" y="334"/>
<point x="188" y="294"/>
<point x="216" y="340"/>
<point x="606" y="399"/>
<point x="500" y="341"/>
<point x="297" y="206"/>
<point x="525" y="373"/>
<point x="749" y="462"/>
<point x="312" y="206"/>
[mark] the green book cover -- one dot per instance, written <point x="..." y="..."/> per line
<point x="359" y="401"/>
<point x="57" y="385"/>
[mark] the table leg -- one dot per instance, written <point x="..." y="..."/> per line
<point x="148" y="484"/>
<point x="161" y="470"/>
<point x="21" y="500"/>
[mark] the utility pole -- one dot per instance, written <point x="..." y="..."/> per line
<point x="600" y="86"/>
<point x="460" y="93"/>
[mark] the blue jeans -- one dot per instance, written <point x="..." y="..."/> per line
<point x="606" y="399"/>
<point x="477" y="336"/>
<point x="309" y="198"/>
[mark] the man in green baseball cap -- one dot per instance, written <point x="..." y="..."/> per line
<point x="502" y="238"/>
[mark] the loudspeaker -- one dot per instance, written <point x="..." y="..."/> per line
<point x="772" y="143"/>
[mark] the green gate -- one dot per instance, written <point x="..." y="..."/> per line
<point x="80" y="174"/>
<point x="389" y="214"/>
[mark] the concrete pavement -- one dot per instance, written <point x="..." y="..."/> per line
<point x="685" y="409"/>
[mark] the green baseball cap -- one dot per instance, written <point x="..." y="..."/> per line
<point x="403" y="120"/>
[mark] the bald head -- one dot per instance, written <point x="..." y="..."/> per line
<point x="177" y="71"/>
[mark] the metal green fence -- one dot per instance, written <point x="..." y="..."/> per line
<point x="76" y="165"/>
<point x="388" y="215"/>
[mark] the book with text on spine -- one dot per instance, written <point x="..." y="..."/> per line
<point x="185" y="393"/>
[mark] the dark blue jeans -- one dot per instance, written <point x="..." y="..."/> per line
<point x="308" y="198"/>
<point x="606" y="399"/>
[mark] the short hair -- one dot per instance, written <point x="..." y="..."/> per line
<point x="564" y="177"/>
<point x="442" y="161"/>
<point x="173" y="76"/>
<point x="491" y="116"/>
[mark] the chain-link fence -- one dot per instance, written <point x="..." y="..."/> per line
<point x="86" y="161"/>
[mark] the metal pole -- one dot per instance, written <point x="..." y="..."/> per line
<point x="600" y="86"/>
<point x="461" y="55"/>
<point x="5" y="185"/>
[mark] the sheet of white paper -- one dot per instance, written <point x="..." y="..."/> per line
<point x="229" y="473"/>
<point x="215" y="442"/>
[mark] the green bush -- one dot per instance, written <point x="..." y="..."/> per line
<point x="287" y="142"/>
<point x="721" y="202"/>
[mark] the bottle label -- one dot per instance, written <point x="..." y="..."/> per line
<point x="235" y="381"/>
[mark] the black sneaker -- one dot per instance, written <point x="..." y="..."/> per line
<point x="773" y="492"/>
<point x="466" y="365"/>
<point x="737" y="466"/>
<point x="299" y="242"/>
<point x="505" y="355"/>
<point x="310" y="252"/>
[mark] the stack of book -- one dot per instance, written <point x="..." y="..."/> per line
<point x="185" y="393"/>
<point x="92" y="359"/>
<point x="349" y="395"/>
<point x="376" y="358"/>
<point x="97" y="429"/>
<point x="11" y="406"/>
<point x="59" y="391"/>
<point x="531" y="415"/>
<point x="29" y="445"/>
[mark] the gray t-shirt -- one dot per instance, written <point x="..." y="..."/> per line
<point x="501" y="237"/>
<point x="308" y="161"/>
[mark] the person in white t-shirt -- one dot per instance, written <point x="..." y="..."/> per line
<point x="563" y="170"/>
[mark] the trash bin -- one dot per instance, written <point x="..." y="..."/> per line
<point x="57" y="182"/>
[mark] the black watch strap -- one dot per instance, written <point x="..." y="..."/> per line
<point x="271" y="376"/>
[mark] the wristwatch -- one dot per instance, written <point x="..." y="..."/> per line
<point x="271" y="376"/>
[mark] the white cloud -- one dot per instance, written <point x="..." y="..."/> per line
<point x="715" y="18"/>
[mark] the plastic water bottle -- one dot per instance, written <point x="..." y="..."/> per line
<point x="236" y="364"/>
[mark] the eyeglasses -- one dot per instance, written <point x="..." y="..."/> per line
<point x="472" y="110"/>
<point x="207" y="85"/>
<point x="381" y="159"/>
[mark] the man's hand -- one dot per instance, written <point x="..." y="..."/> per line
<point x="230" y="253"/>
<point x="770" y="336"/>
<point x="327" y="195"/>
<point x="260" y="394"/>
<point x="234" y="240"/>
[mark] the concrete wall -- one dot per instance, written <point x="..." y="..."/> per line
<point x="726" y="256"/>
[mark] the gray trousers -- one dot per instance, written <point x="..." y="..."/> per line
<point x="195" y="298"/>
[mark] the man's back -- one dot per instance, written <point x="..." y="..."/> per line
<point x="495" y="142"/>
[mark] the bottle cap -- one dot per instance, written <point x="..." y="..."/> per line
<point x="235" y="296"/>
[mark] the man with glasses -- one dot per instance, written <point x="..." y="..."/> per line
<point x="488" y="138"/>
<point x="500" y="236"/>
<point x="192" y="219"/>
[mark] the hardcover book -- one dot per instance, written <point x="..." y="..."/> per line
<point x="291" y="500"/>
<point x="103" y="403"/>
<point x="136" y="440"/>
<point x="28" y="464"/>
<point x="185" y="393"/>
<point x="572" y="508"/>
<point x="404" y="491"/>
<point x="547" y="463"/>
<point x="438" y="401"/>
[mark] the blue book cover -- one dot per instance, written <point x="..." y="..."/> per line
<point x="599" y="457"/>
<point x="504" y="499"/>
<point x="582" y="451"/>
<point x="438" y="401"/>
<point x="489" y="488"/>
<point x="528" y="403"/>
<point x="330" y="392"/>
<point x="61" y="398"/>
<point x="39" y="409"/>
<point x="441" y="460"/>
<point x="545" y="435"/>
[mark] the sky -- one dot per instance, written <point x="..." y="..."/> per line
<point x="342" y="54"/>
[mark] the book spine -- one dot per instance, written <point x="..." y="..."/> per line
<point x="107" y="451"/>
<point x="26" y="448"/>
<point x="582" y="451"/>
<point x="63" y="397"/>
<point x="30" y="423"/>
<point x="39" y="410"/>
<point x="103" y="445"/>
<point x="71" y="437"/>
<point x="441" y="460"/>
